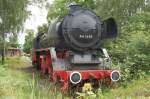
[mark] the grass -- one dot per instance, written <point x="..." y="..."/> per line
<point x="16" y="82"/>
<point x="137" y="89"/>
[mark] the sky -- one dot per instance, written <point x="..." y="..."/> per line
<point x="38" y="17"/>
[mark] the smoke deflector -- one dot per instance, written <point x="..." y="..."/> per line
<point x="110" y="29"/>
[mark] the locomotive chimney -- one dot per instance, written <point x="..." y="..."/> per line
<point x="74" y="6"/>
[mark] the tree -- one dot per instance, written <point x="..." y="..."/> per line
<point x="43" y="28"/>
<point x="28" y="41"/>
<point x="121" y="10"/>
<point x="60" y="8"/>
<point x="13" y="14"/>
<point x="13" y="41"/>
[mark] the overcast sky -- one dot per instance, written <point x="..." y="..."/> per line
<point x="37" y="18"/>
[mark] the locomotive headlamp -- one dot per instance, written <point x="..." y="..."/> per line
<point x="115" y="75"/>
<point x="75" y="77"/>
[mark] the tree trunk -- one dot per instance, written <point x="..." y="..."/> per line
<point x="3" y="49"/>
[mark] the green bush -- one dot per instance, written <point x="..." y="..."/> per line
<point x="130" y="51"/>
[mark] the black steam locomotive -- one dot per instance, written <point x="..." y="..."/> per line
<point x="69" y="52"/>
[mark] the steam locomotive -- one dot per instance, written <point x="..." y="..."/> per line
<point x="70" y="53"/>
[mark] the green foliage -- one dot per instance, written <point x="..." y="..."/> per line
<point x="13" y="14"/>
<point x="121" y="10"/>
<point x="131" y="49"/>
<point x="60" y="8"/>
<point x="57" y="9"/>
<point x="137" y="89"/>
<point x="28" y="41"/>
<point x="43" y="28"/>
<point x="13" y="41"/>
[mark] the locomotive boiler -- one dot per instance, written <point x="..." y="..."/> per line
<point x="69" y="52"/>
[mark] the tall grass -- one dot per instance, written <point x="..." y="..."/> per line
<point x="15" y="83"/>
<point x="137" y="89"/>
